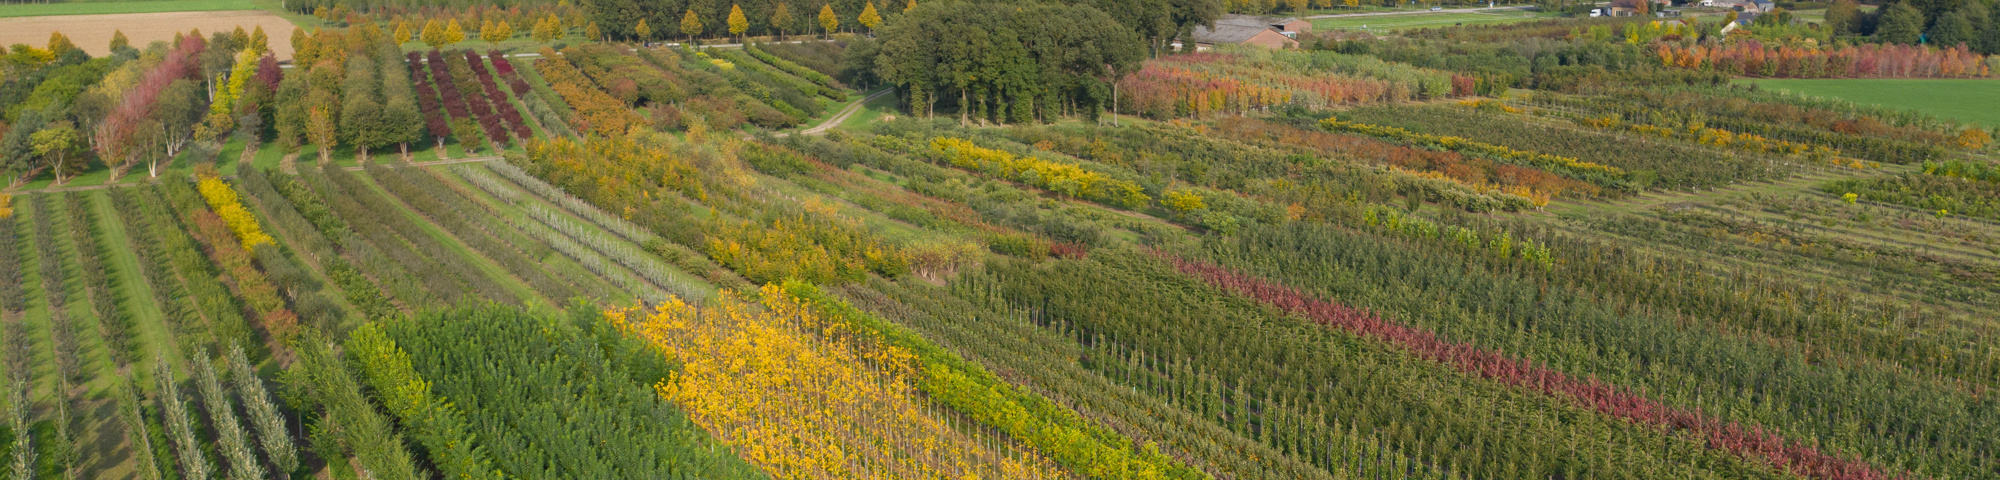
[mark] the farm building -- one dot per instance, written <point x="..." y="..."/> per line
<point x="1287" y="25"/>
<point x="1745" y="6"/>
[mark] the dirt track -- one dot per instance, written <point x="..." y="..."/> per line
<point x="93" y="32"/>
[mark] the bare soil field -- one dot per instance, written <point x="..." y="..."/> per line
<point x="93" y="32"/>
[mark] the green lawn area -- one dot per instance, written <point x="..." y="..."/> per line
<point x="871" y="113"/>
<point x="1425" y="20"/>
<point x="99" y="8"/>
<point x="1968" y="100"/>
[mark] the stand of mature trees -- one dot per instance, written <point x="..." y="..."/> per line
<point x="1002" y="62"/>
<point x="1944" y="23"/>
<point x="62" y="111"/>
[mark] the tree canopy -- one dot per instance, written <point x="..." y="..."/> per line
<point x="1007" y="62"/>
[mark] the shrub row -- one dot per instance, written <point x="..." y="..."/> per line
<point x="463" y="125"/>
<point x="476" y="101"/>
<point x="202" y="279"/>
<point x="386" y="226"/>
<point x="170" y="294"/>
<point x="501" y="105"/>
<point x="427" y="99"/>
<point x="304" y="234"/>
<point x="351" y="263"/>
<point x="439" y="427"/>
<point x="595" y="111"/>
<point x="227" y="205"/>
<point x="470" y="225"/>
<point x="114" y="323"/>
<point x="1603" y="176"/>
<point x="249" y="283"/>
<point x="795" y="69"/>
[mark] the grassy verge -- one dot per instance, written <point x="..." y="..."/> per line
<point x="872" y="112"/>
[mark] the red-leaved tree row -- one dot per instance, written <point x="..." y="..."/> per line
<point x="506" y="70"/>
<point x="441" y="77"/>
<point x="501" y="106"/>
<point x="475" y="101"/>
<point x="116" y="138"/>
<point x="427" y="100"/>
<point x="1750" y="442"/>
<point x="1750" y="57"/>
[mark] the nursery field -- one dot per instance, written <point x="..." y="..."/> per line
<point x="1976" y="101"/>
<point x="1546" y="250"/>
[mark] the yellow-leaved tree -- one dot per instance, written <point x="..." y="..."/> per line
<point x="869" y="18"/>
<point x="737" y="22"/>
<point x="433" y="34"/>
<point x="453" y="33"/>
<point x="690" y="25"/>
<point x="827" y="21"/>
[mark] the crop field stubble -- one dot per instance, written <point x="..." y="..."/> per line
<point x="93" y="32"/>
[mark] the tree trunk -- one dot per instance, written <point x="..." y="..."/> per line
<point x="962" y="107"/>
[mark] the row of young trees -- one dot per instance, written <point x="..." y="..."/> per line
<point x="356" y="91"/>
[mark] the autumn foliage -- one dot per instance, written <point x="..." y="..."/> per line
<point x="1753" y="58"/>
<point x="763" y="378"/>
<point x="595" y="110"/>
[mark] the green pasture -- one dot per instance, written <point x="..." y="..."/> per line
<point x="101" y="8"/>
<point x="1425" y="20"/>
<point x="1967" y="100"/>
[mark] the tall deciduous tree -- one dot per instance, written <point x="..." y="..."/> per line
<point x="781" y="19"/>
<point x="1840" y="18"/>
<point x="433" y="34"/>
<point x="55" y="144"/>
<point x="452" y="33"/>
<point x="260" y="41"/>
<point x="1953" y="29"/>
<point x="119" y="41"/>
<point x="320" y="130"/>
<point x="737" y="22"/>
<point x="60" y="44"/>
<point x="869" y="18"/>
<point x="827" y="21"/>
<point x="489" y="32"/>
<point x="548" y="29"/>
<point x="1902" y="23"/>
<point x="645" y="31"/>
<point x="690" y="25"/>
